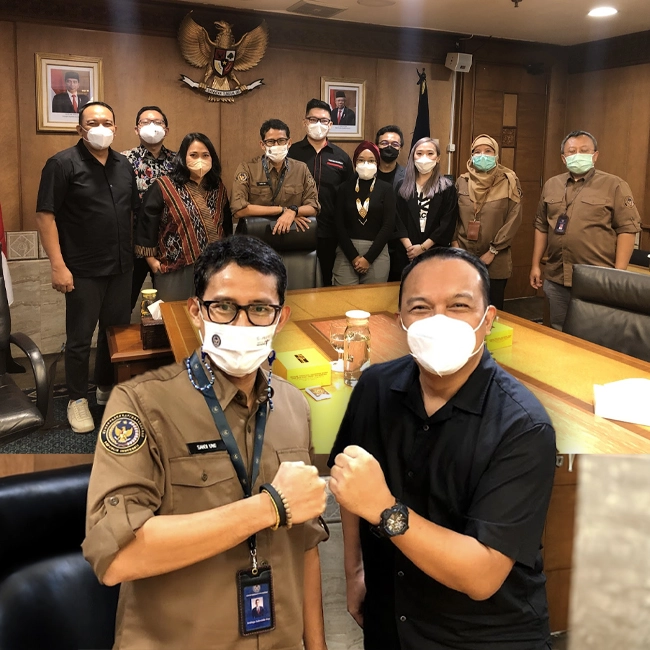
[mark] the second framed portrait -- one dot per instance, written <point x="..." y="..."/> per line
<point x="347" y="98"/>
<point x="64" y="85"/>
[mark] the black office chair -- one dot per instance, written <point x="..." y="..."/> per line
<point x="611" y="308"/>
<point x="640" y="258"/>
<point x="19" y="416"/>
<point x="297" y="249"/>
<point x="50" y="599"/>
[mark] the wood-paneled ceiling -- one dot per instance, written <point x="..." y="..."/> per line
<point x="561" y="22"/>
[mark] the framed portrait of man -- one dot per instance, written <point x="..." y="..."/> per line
<point x="347" y="99"/>
<point x="64" y="85"/>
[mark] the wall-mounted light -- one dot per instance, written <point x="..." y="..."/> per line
<point x="376" y="3"/>
<point x="602" y="12"/>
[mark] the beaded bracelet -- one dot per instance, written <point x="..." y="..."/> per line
<point x="278" y="501"/>
<point x="287" y="510"/>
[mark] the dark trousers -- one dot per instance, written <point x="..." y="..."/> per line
<point x="326" y="253"/>
<point x="104" y="299"/>
<point x="497" y="292"/>
<point x="140" y="271"/>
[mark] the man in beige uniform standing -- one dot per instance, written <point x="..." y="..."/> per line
<point x="273" y="185"/>
<point x="585" y="216"/>
<point x="179" y="451"/>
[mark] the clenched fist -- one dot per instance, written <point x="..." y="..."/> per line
<point x="359" y="485"/>
<point x="303" y="489"/>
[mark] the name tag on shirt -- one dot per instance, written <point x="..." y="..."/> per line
<point x="262" y="184"/>
<point x="335" y="163"/>
<point x="206" y="447"/>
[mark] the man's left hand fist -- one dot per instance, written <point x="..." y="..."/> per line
<point x="358" y="483"/>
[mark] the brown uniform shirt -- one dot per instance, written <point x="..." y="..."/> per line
<point x="599" y="206"/>
<point x="196" y="607"/>
<point x="500" y="221"/>
<point x="251" y="187"/>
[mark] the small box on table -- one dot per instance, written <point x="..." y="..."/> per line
<point x="153" y="334"/>
<point x="499" y="337"/>
<point x="303" y="368"/>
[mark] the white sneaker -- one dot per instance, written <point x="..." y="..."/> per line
<point x="79" y="417"/>
<point x="102" y="395"/>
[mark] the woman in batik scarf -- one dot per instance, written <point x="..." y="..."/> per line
<point x="180" y="215"/>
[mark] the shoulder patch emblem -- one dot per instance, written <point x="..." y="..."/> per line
<point x="629" y="202"/>
<point x="123" y="434"/>
<point x="242" y="177"/>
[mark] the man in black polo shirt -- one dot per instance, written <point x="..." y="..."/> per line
<point x="330" y="166"/>
<point x="443" y="467"/>
<point x="84" y="208"/>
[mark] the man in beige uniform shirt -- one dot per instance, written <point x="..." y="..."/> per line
<point x="585" y="216"/>
<point x="167" y="513"/>
<point x="273" y="185"/>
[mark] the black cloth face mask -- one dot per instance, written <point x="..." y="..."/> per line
<point x="388" y="154"/>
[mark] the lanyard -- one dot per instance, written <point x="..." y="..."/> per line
<point x="265" y="167"/>
<point x="247" y="481"/>
<point x="575" y="196"/>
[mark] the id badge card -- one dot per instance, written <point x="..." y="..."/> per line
<point x="560" y="226"/>
<point x="256" y="603"/>
<point x="473" y="228"/>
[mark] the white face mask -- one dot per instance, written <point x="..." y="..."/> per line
<point x="201" y="166"/>
<point x="100" y="137"/>
<point x="442" y="345"/>
<point x="317" y="131"/>
<point x="152" y="133"/>
<point x="236" y="349"/>
<point x="277" y="153"/>
<point x="424" y="165"/>
<point x="366" y="170"/>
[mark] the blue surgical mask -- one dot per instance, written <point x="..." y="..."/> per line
<point x="483" y="163"/>
<point x="580" y="163"/>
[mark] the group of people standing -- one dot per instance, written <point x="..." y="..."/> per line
<point x="96" y="208"/>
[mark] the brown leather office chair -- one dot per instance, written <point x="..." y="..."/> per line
<point x="611" y="308"/>
<point x="297" y="249"/>
<point x="18" y="415"/>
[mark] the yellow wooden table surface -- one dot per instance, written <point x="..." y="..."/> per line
<point x="559" y="369"/>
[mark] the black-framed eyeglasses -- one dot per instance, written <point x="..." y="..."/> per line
<point x="315" y="120"/>
<point x="148" y="122"/>
<point x="272" y="143"/>
<point x="226" y="311"/>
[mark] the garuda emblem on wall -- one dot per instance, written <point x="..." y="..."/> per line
<point x="221" y="57"/>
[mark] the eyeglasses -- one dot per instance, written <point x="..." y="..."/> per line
<point x="226" y="311"/>
<point x="315" y="120"/>
<point x="389" y="143"/>
<point x="148" y="122"/>
<point x="272" y="143"/>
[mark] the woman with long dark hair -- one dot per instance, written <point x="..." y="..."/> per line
<point x="427" y="204"/>
<point x="181" y="214"/>
<point x="365" y="219"/>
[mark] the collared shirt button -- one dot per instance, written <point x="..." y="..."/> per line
<point x="114" y="501"/>
<point x="410" y="474"/>
<point x="400" y="574"/>
<point x="204" y="477"/>
<point x="425" y="427"/>
<point x="402" y="618"/>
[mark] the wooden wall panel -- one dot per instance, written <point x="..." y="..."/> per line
<point x="613" y="105"/>
<point x="11" y="464"/>
<point x="9" y="159"/>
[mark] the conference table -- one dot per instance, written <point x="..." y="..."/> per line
<point x="559" y="369"/>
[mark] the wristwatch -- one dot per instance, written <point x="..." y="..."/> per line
<point x="394" y="521"/>
<point x="493" y="250"/>
<point x="294" y="208"/>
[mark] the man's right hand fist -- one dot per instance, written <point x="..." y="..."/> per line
<point x="62" y="279"/>
<point x="303" y="490"/>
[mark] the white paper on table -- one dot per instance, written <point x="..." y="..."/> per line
<point x="7" y="276"/>
<point x="627" y="400"/>
<point x="154" y="309"/>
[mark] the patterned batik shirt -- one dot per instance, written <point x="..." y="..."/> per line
<point x="147" y="168"/>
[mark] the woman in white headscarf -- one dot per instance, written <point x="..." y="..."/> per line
<point x="489" y="205"/>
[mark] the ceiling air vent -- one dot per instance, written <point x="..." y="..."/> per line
<point x="315" y="8"/>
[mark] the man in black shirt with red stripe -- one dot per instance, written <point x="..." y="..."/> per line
<point x="443" y="468"/>
<point x="330" y="166"/>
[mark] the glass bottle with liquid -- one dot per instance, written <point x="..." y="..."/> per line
<point x="356" y="346"/>
<point x="148" y="298"/>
